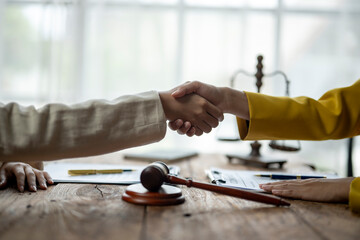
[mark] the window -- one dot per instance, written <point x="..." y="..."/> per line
<point x="72" y="50"/>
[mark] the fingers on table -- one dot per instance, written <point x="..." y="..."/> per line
<point x="3" y="179"/>
<point x="31" y="178"/>
<point x="289" y="193"/>
<point x="48" y="178"/>
<point x="41" y="179"/>
<point x="288" y="189"/>
<point x="19" y="173"/>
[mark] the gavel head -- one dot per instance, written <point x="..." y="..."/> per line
<point x="154" y="175"/>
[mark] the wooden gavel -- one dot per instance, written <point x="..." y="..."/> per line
<point x="157" y="173"/>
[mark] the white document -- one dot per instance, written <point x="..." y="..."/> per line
<point x="244" y="179"/>
<point x="59" y="173"/>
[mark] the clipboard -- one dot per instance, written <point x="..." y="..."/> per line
<point x="59" y="173"/>
<point x="241" y="179"/>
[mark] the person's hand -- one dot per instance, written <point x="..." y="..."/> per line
<point x="213" y="94"/>
<point x="182" y="127"/>
<point x="313" y="189"/>
<point x="227" y="99"/>
<point x="193" y="108"/>
<point x="23" y="172"/>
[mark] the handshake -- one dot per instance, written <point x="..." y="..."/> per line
<point x="195" y="107"/>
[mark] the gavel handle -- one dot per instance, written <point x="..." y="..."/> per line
<point x="239" y="193"/>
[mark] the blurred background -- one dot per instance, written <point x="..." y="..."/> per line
<point x="73" y="50"/>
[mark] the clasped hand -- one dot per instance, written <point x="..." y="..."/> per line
<point x="207" y="104"/>
<point x="190" y="112"/>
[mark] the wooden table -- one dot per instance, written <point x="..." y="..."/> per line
<point x="89" y="211"/>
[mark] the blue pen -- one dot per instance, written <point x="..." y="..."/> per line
<point x="288" y="176"/>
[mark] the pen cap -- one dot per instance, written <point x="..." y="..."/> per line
<point x="154" y="175"/>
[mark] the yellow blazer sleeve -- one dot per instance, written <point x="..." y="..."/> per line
<point x="354" y="196"/>
<point x="335" y="115"/>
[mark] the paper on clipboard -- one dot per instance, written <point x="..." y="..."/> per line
<point x="241" y="179"/>
<point x="59" y="173"/>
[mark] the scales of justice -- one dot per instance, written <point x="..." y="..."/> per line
<point x="255" y="158"/>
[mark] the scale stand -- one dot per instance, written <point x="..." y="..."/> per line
<point x="255" y="158"/>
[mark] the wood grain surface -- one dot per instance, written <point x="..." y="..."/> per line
<point x="89" y="211"/>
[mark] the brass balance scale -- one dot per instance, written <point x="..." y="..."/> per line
<point x="255" y="158"/>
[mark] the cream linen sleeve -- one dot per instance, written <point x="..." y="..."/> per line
<point x="57" y="131"/>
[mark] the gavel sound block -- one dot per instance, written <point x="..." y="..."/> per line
<point x="151" y="191"/>
<point x="166" y="195"/>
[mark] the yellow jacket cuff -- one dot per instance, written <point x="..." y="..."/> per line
<point x="354" y="195"/>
